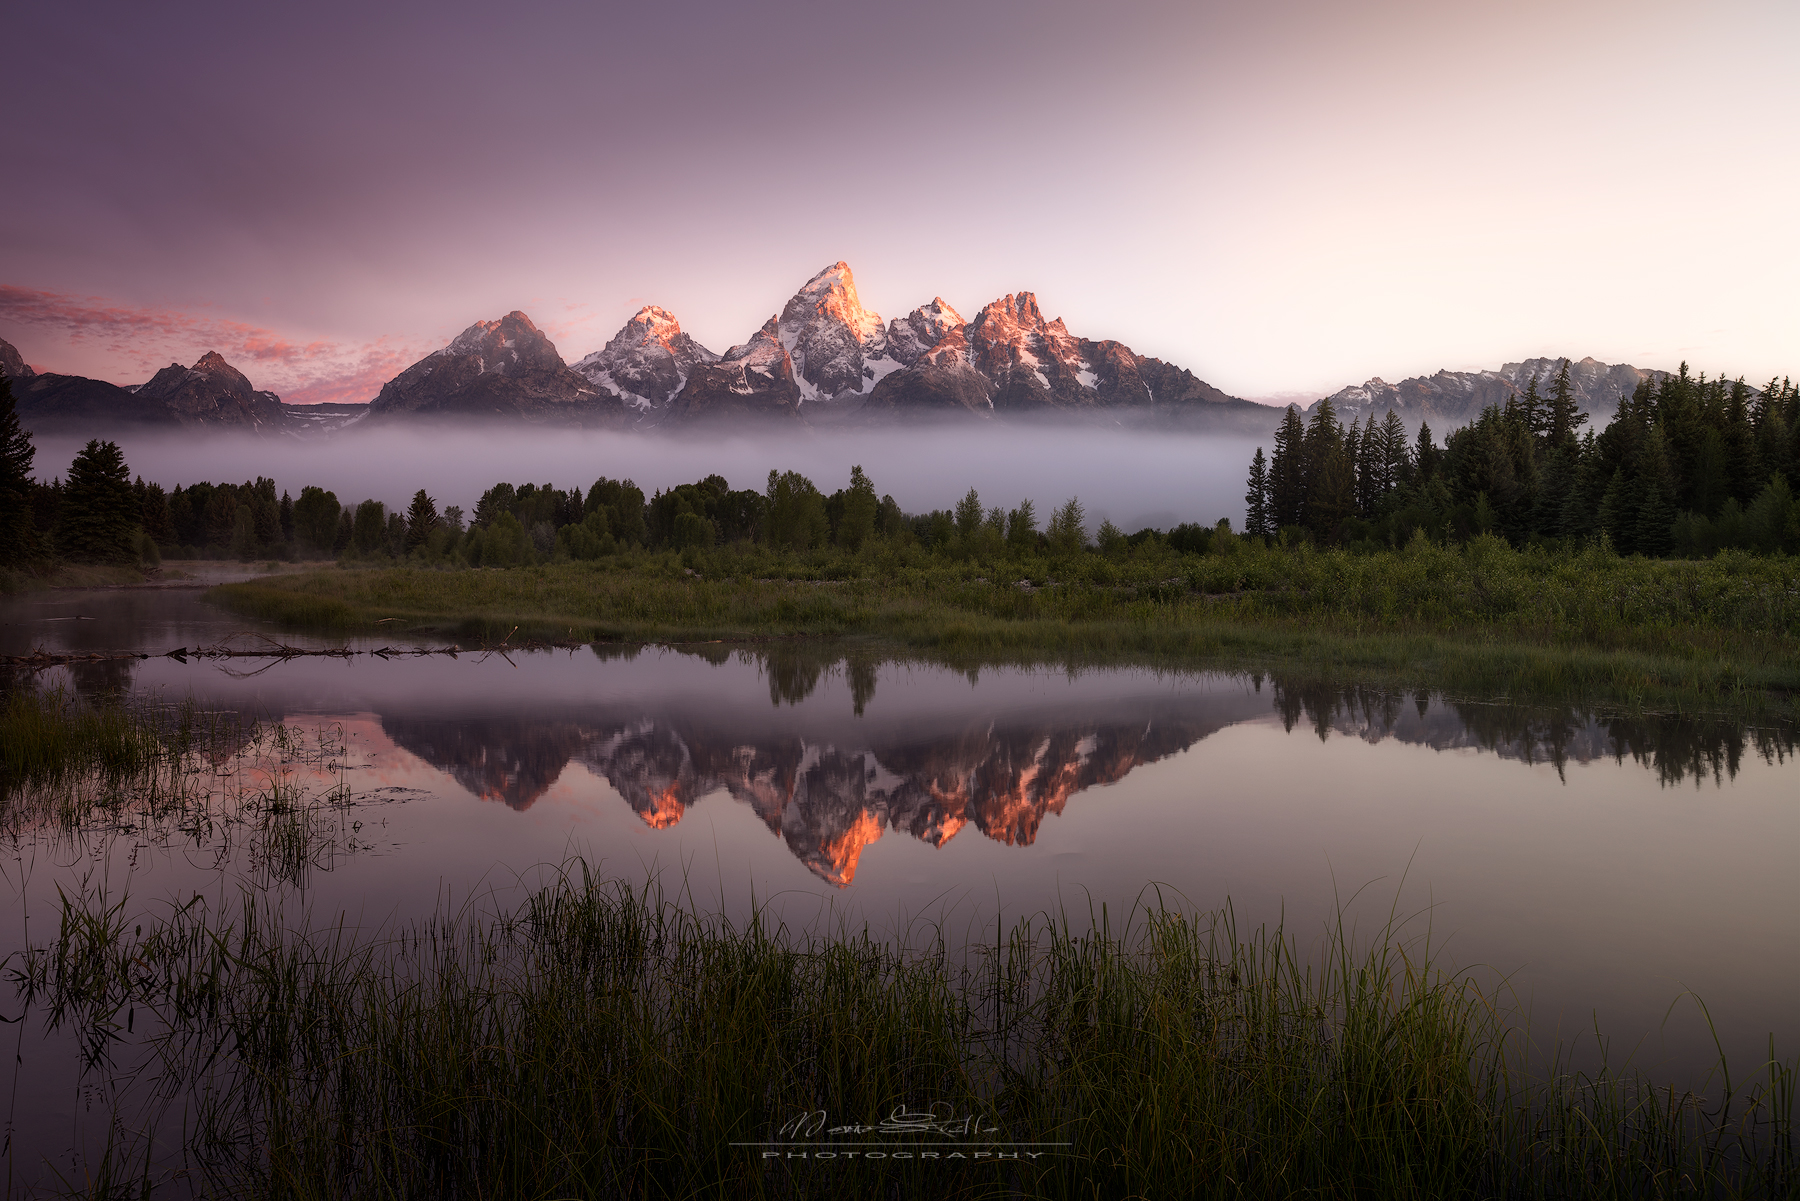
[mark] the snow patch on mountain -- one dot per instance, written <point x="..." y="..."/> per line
<point x="647" y="363"/>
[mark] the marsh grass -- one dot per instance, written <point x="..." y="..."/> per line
<point x="600" y="1040"/>
<point x="1587" y="624"/>
<point x="265" y="794"/>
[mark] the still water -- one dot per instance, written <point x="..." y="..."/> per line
<point x="1607" y="871"/>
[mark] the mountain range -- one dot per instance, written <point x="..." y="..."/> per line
<point x="1453" y="398"/>
<point x="822" y="359"/>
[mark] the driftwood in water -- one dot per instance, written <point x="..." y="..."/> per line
<point x="39" y="660"/>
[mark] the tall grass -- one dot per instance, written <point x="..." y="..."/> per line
<point x="1584" y="624"/>
<point x="267" y="797"/>
<point x="600" y="1040"/>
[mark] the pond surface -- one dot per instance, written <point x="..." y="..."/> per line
<point x="1602" y="867"/>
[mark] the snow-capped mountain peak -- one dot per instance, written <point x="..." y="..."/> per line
<point x="838" y="347"/>
<point x="648" y="361"/>
<point x="909" y="337"/>
<point x="507" y="346"/>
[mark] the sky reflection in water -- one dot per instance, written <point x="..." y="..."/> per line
<point x="1603" y="866"/>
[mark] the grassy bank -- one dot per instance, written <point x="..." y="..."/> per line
<point x="1585" y="625"/>
<point x="601" y="1041"/>
<point x="71" y="575"/>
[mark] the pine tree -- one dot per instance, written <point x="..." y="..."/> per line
<point x="1711" y="487"/>
<point x="100" y="514"/>
<point x="1333" y="498"/>
<point x="1256" y="498"/>
<point x="1613" y="512"/>
<point x="1651" y="533"/>
<point x="287" y="517"/>
<point x="1426" y="456"/>
<point x="1563" y="415"/>
<point x="18" y="528"/>
<point x="1397" y="468"/>
<point x="421" y="519"/>
<point x="1287" y="473"/>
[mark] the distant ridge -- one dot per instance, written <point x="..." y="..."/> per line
<point x="1455" y="398"/>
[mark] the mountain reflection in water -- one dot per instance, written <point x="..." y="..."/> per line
<point x="828" y="788"/>
<point x="935" y="754"/>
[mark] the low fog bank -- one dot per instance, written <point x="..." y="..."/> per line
<point x="1135" y="478"/>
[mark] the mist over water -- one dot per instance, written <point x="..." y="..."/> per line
<point x="1135" y="478"/>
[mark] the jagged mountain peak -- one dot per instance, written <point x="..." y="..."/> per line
<point x="213" y="392"/>
<point x="838" y="347"/>
<point x="831" y="294"/>
<point x="648" y="361"/>
<point x="510" y="343"/>
<point x="506" y="368"/>
<point x="213" y="363"/>
<point x="911" y="336"/>
<point x="763" y="349"/>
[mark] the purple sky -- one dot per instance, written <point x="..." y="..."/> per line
<point x="1285" y="197"/>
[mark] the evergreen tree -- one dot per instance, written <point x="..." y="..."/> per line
<point x="1426" y="456"/>
<point x="154" y="515"/>
<point x="1287" y="473"/>
<point x="1651" y="533"/>
<point x="1331" y="476"/>
<point x="100" y="514"/>
<point x="1256" y="497"/>
<point x="287" y="517"/>
<point x="1530" y="410"/>
<point x="1557" y="484"/>
<point x="18" y="528"/>
<point x="1711" y="488"/>
<point x="1333" y="498"/>
<point x="1564" y="415"/>
<point x="1396" y="466"/>
<point x="1742" y="466"/>
<point x="1614" y="511"/>
<point x="421" y="519"/>
<point x="221" y="516"/>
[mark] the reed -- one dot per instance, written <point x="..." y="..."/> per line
<point x="604" y="1040"/>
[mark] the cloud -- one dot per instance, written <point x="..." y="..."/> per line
<point x="138" y="340"/>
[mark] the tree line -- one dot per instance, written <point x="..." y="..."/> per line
<point x="1688" y="466"/>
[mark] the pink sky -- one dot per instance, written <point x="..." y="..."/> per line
<point x="1284" y="197"/>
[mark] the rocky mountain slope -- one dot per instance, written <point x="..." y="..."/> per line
<point x="1010" y="359"/>
<point x="753" y="381"/>
<point x="931" y="363"/>
<point x="648" y="362"/>
<point x="214" y="393"/>
<point x="506" y="369"/>
<point x="49" y="403"/>
<point x="1455" y="398"/>
<point x="12" y="364"/>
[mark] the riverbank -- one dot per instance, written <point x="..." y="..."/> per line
<point x="1584" y="627"/>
